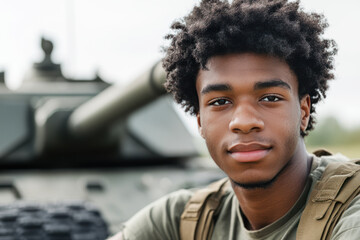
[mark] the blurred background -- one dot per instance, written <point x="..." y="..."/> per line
<point x="118" y="39"/>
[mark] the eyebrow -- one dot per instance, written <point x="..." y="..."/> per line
<point x="257" y="86"/>
<point x="271" y="83"/>
<point x="216" y="87"/>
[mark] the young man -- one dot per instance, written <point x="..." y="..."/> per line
<point x="252" y="72"/>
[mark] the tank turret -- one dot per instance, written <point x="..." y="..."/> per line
<point x="60" y="118"/>
<point x="80" y="156"/>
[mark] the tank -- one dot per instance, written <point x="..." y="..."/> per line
<point x="79" y="157"/>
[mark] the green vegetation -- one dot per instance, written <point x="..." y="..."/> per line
<point x="329" y="134"/>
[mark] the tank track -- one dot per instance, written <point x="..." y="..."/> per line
<point x="60" y="221"/>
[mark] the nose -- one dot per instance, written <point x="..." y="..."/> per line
<point x="246" y="119"/>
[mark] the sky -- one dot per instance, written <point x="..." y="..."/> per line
<point x="120" y="39"/>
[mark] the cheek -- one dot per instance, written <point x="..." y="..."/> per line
<point x="214" y="130"/>
<point x="212" y="145"/>
<point x="289" y="130"/>
<point x="213" y="125"/>
<point x="289" y="118"/>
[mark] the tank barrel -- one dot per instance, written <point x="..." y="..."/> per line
<point x="116" y="102"/>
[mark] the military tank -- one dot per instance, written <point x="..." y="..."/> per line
<point x="79" y="157"/>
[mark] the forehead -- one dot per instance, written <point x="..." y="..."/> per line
<point x="245" y="67"/>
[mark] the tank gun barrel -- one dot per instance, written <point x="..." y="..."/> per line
<point x="116" y="102"/>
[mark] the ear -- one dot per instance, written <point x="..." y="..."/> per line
<point x="305" y="106"/>
<point x="199" y="124"/>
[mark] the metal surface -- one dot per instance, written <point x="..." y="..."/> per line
<point x="116" y="102"/>
<point x="119" y="147"/>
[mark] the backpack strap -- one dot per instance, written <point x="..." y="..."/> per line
<point x="331" y="196"/>
<point x="197" y="220"/>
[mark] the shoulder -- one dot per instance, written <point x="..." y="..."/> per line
<point x="323" y="162"/>
<point x="337" y="172"/>
<point x="348" y="226"/>
<point x="160" y="219"/>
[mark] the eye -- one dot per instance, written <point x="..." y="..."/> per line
<point x="271" y="98"/>
<point x="219" y="102"/>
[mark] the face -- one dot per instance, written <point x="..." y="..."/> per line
<point x="250" y="115"/>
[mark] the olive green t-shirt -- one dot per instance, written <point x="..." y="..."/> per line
<point x="160" y="220"/>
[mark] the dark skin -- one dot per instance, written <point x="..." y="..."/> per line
<point x="251" y="117"/>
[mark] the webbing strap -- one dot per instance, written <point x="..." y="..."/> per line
<point x="339" y="184"/>
<point x="197" y="219"/>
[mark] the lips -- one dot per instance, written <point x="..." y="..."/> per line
<point x="250" y="152"/>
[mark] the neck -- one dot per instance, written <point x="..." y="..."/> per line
<point x="263" y="206"/>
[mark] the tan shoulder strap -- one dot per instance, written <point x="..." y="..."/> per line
<point x="196" y="221"/>
<point x="331" y="196"/>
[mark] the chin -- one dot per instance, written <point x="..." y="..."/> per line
<point x="255" y="185"/>
<point x="259" y="181"/>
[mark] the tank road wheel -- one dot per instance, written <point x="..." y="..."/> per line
<point x="61" y="221"/>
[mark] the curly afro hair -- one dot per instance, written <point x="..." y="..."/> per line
<point x="272" y="27"/>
